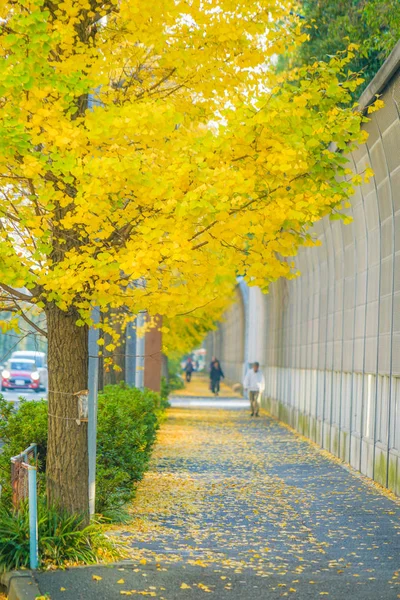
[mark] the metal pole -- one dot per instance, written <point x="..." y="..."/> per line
<point x="33" y="521"/>
<point x="140" y="349"/>
<point x="93" y="384"/>
<point x="130" y="355"/>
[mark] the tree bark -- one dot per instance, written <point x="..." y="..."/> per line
<point x="67" y="454"/>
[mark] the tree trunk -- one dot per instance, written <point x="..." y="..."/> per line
<point x="67" y="454"/>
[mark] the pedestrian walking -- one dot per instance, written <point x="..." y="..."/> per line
<point x="189" y="369"/>
<point x="215" y="377"/>
<point x="254" y="382"/>
<point x="214" y="358"/>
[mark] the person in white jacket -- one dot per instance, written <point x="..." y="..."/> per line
<point x="254" y="383"/>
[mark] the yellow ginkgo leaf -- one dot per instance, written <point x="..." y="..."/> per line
<point x="121" y="581"/>
<point x="96" y="577"/>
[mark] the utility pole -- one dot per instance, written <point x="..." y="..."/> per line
<point x="93" y="385"/>
<point x="130" y="355"/>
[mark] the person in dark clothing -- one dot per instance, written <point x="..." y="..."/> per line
<point x="215" y="377"/>
<point x="189" y="369"/>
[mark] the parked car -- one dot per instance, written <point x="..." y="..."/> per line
<point x="41" y="363"/>
<point x="20" y="374"/>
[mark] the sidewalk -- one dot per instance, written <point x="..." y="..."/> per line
<point x="199" y="387"/>
<point x="243" y="508"/>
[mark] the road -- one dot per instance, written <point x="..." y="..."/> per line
<point x="15" y="396"/>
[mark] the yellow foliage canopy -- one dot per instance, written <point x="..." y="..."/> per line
<point x="152" y="142"/>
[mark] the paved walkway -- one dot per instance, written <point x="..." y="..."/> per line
<point x="199" y="387"/>
<point x="243" y="508"/>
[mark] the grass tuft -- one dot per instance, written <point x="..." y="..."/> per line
<point x="63" y="538"/>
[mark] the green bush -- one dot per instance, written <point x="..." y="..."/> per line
<point x="127" y="427"/>
<point x="128" y="420"/>
<point x="62" y="538"/>
<point x="18" y="429"/>
<point x="174" y="381"/>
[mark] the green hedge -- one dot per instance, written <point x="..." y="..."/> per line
<point x="127" y="426"/>
<point x="128" y="420"/>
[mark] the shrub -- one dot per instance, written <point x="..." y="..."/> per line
<point x="18" y="429"/>
<point x="127" y="426"/>
<point x="174" y="381"/>
<point x="168" y="386"/>
<point x="62" y="538"/>
<point x="128" y="420"/>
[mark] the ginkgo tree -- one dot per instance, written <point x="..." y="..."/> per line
<point x="152" y="142"/>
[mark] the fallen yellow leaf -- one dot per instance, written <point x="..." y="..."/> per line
<point x="97" y="577"/>
<point x="121" y="581"/>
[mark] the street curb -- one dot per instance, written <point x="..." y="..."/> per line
<point x="20" y="585"/>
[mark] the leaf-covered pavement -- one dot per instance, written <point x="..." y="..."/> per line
<point x="199" y="387"/>
<point x="245" y="508"/>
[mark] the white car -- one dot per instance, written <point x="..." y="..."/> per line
<point x="41" y="363"/>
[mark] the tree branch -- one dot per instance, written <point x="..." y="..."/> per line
<point x="32" y="324"/>
<point x="16" y="294"/>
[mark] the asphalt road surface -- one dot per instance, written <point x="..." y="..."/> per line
<point x="29" y="395"/>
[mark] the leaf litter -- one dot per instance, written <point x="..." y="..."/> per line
<point x="223" y="495"/>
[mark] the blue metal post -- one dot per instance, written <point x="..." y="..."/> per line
<point x="130" y="358"/>
<point x="33" y="521"/>
<point x="93" y="384"/>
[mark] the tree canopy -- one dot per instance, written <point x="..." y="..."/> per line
<point x="191" y="156"/>
<point x="372" y="24"/>
<point x="148" y="155"/>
